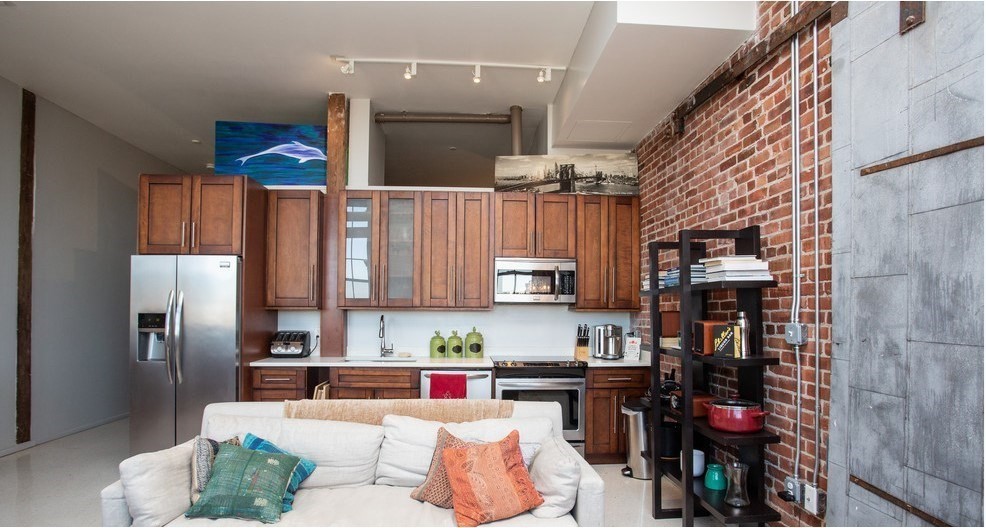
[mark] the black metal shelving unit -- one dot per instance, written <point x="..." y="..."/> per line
<point x="697" y="370"/>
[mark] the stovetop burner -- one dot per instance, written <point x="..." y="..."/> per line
<point x="537" y="361"/>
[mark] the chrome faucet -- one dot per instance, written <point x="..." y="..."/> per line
<point x="384" y="351"/>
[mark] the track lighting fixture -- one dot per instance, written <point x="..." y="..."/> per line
<point x="348" y="66"/>
<point x="411" y="71"/>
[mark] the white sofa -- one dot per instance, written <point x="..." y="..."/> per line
<point x="342" y="492"/>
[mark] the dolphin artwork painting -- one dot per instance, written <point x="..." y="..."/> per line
<point x="295" y="150"/>
<point x="271" y="153"/>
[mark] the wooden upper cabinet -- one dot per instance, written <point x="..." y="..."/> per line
<point x="624" y="234"/>
<point x="438" y="253"/>
<point x="608" y="256"/>
<point x="592" y="260"/>
<point x="164" y="214"/>
<point x="217" y="215"/>
<point x="359" y="233"/>
<point x="473" y="265"/>
<point x="190" y="215"/>
<point x="400" y="249"/>
<point x="555" y="221"/>
<point x="515" y="225"/>
<point x="293" y="271"/>
<point x="535" y="225"/>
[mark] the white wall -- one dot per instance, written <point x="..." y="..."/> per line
<point x="507" y="330"/>
<point x="10" y="119"/>
<point x="367" y="146"/>
<point x="85" y="230"/>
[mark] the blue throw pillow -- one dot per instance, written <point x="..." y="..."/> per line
<point x="302" y="471"/>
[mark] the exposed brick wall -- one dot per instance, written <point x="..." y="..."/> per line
<point x="730" y="169"/>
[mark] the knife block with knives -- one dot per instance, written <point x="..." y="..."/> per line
<point x="582" y="343"/>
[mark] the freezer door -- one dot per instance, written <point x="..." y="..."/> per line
<point x="207" y="330"/>
<point x="152" y="393"/>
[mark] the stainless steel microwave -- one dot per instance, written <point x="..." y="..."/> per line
<point x="539" y="280"/>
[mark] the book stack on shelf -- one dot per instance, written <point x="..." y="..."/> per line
<point x="674" y="275"/>
<point x="736" y="268"/>
<point x="662" y="278"/>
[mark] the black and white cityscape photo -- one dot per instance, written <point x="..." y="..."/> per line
<point x="614" y="174"/>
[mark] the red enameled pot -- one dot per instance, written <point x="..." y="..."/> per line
<point x="735" y="416"/>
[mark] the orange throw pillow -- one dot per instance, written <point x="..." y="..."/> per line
<point x="489" y="482"/>
<point x="436" y="488"/>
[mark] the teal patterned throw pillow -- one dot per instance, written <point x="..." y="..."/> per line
<point x="245" y="484"/>
<point x="302" y="471"/>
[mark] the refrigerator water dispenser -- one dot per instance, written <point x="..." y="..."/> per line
<point x="150" y="336"/>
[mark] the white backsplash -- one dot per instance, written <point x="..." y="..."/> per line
<point x="310" y="320"/>
<point x="543" y="330"/>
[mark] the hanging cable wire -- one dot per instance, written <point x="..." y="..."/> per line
<point x="796" y="229"/>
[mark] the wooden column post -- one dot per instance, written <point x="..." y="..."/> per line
<point x="333" y="324"/>
<point x="25" y="259"/>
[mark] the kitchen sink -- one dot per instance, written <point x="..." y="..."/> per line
<point x="382" y="359"/>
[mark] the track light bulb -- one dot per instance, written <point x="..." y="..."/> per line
<point x="407" y="73"/>
<point x="349" y="68"/>
<point x="476" y="74"/>
<point x="541" y="76"/>
<point x="411" y="71"/>
<point x="544" y="74"/>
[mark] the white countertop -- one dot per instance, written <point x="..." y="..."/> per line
<point x="644" y="361"/>
<point x="425" y="362"/>
<point x="337" y="361"/>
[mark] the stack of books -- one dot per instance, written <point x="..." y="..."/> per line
<point x="736" y="268"/>
<point x="674" y="275"/>
<point x="662" y="278"/>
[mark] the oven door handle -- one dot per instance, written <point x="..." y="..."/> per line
<point x="542" y="384"/>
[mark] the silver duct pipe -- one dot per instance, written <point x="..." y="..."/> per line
<point x="814" y="131"/>
<point x="415" y="117"/>
<point x="516" y="132"/>
<point x="796" y="229"/>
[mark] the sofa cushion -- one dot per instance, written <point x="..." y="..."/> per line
<point x="489" y="482"/>
<point x="157" y="485"/>
<point x="345" y="453"/>
<point x="357" y="507"/>
<point x="556" y="473"/>
<point x="436" y="488"/>
<point x="409" y="443"/>
<point x="204" y="452"/>
<point x="223" y="426"/>
<point x="246" y="484"/>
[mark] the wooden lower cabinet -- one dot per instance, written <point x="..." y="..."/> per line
<point x="279" y="384"/>
<point x="360" y="383"/>
<point x="607" y="390"/>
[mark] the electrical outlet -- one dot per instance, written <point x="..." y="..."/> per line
<point x="796" y="334"/>
<point x="814" y="500"/>
<point x="793" y="486"/>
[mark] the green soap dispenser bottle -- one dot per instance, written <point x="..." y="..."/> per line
<point x="437" y="345"/>
<point x="474" y="344"/>
<point x="454" y="345"/>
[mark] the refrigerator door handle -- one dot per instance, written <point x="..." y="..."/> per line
<point x="167" y="336"/>
<point x="179" y="315"/>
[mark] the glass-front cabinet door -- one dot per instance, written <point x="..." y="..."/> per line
<point x="359" y="269"/>
<point x="400" y="248"/>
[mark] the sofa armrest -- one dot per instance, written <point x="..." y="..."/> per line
<point x="114" y="506"/>
<point x="590" y="504"/>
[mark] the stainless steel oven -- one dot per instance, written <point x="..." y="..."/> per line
<point x="542" y="280"/>
<point x="562" y="384"/>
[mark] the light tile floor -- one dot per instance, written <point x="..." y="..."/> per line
<point x="58" y="483"/>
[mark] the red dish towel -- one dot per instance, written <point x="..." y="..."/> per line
<point x="447" y="386"/>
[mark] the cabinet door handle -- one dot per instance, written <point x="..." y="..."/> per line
<point x="277" y="379"/>
<point x="183" y="234"/>
<point x="313" y="282"/>
<point x="540" y="243"/>
<point x="612" y="291"/>
<point x="605" y="298"/>
<point x="193" y="234"/>
<point x="618" y="379"/>
<point x="385" y="283"/>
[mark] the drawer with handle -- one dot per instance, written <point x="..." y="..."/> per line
<point x="279" y="378"/>
<point x="617" y="378"/>
<point x="278" y="395"/>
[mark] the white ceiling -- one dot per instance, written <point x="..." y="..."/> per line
<point x="160" y="74"/>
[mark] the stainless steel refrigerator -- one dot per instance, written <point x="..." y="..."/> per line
<point x="185" y="318"/>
